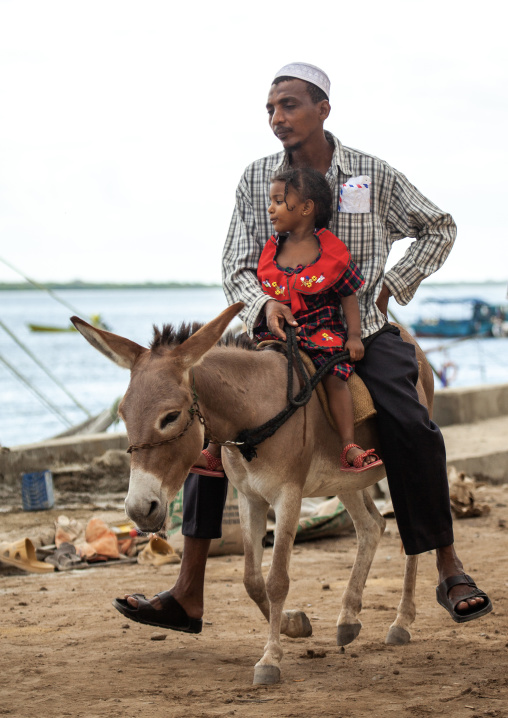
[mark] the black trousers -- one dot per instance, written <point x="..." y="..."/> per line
<point x="412" y="449"/>
<point x="412" y="445"/>
<point x="203" y="505"/>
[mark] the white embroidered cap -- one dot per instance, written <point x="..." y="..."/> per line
<point x="309" y="73"/>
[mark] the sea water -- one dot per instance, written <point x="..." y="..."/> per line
<point x="97" y="383"/>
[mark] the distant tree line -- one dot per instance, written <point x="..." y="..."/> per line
<point x="78" y="284"/>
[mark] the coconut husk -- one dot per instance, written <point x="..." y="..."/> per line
<point x="464" y="495"/>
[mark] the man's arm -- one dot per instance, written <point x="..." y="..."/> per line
<point x="382" y="300"/>
<point x="240" y="258"/>
<point x="413" y="215"/>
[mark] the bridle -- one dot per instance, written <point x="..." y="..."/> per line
<point x="193" y="410"/>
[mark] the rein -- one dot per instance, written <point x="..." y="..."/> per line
<point x="251" y="438"/>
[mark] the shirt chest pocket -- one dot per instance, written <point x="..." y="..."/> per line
<point x="362" y="235"/>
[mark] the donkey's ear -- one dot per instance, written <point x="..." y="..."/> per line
<point x="195" y="347"/>
<point x="120" y="350"/>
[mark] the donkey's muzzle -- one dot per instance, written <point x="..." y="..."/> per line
<point x="146" y="503"/>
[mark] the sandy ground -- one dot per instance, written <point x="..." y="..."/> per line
<point x="65" y="651"/>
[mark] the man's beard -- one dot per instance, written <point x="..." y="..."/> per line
<point x="293" y="148"/>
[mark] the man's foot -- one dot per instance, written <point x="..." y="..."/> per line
<point x="193" y="608"/>
<point x="353" y="458"/>
<point x="189" y="587"/>
<point x="169" y="614"/>
<point x="455" y="584"/>
<point x="187" y="594"/>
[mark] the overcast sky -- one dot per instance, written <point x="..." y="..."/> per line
<point x="125" y="125"/>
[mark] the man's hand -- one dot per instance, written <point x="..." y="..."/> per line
<point x="276" y="314"/>
<point x="382" y="300"/>
<point x="355" y="347"/>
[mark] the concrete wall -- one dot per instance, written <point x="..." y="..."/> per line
<point x="27" y="458"/>
<point x="471" y="404"/>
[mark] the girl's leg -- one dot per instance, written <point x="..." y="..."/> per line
<point x="214" y="450"/>
<point x="340" y="402"/>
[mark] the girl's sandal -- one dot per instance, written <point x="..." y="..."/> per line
<point x="357" y="466"/>
<point x="213" y="466"/>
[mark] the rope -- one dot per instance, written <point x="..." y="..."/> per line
<point x="44" y="369"/>
<point x="249" y="439"/>
<point x="52" y="294"/>
<point x="41" y="286"/>
<point x="47" y="403"/>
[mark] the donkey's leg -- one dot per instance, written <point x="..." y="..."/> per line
<point x="287" y="512"/>
<point x="373" y="511"/>
<point x="294" y="624"/>
<point x="398" y="634"/>
<point x="369" y="529"/>
<point x="253" y="523"/>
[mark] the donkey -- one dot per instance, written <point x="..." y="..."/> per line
<point x="238" y="389"/>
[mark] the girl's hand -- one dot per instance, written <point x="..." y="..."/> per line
<point x="355" y="347"/>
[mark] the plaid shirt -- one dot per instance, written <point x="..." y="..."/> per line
<point x="398" y="210"/>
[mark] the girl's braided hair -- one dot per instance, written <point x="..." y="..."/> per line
<point x="309" y="184"/>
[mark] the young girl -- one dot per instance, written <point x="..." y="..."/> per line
<point x="306" y="266"/>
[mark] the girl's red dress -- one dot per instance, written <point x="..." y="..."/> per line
<point x="314" y="293"/>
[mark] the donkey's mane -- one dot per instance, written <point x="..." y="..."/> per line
<point x="172" y="337"/>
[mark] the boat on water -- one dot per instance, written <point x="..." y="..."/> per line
<point x="469" y="317"/>
<point x="46" y="328"/>
<point x="95" y="320"/>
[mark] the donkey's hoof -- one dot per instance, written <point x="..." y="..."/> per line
<point x="298" y="625"/>
<point x="266" y="675"/>
<point x="347" y="632"/>
<point x="397" y="636"/>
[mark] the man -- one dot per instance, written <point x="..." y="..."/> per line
<point x="412" y="445"/>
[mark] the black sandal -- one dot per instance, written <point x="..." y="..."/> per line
<point x="172" y="615"/>
<point x="474" y="611"/>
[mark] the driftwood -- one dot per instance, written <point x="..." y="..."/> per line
<point x="94" y="425"/>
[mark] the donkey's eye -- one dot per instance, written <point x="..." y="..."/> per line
<point x="169" y="418"/>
